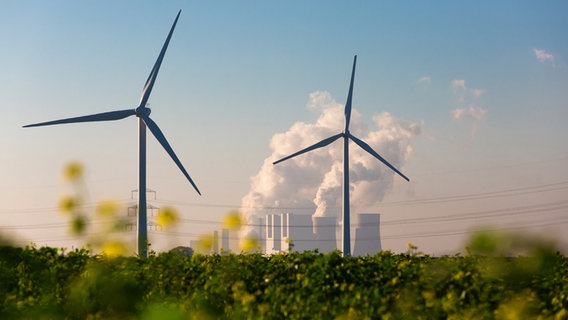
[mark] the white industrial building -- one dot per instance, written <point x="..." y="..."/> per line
<point x="273" y="233"/>
<point x="295" y="232"/>
<point x="286" y="232"/>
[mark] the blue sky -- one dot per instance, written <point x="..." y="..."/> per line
<point x="238" y="73"/>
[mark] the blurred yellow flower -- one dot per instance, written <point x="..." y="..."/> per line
<point x="167" y="217"/>
<point x="67" y="204"/>
<point x="205" y="243"/>
<point x="78" y="224"/>
<point x="249" y="244"/>
<point x="73" y="171"/>
<point x="114" y="249"/>
<point x="107" y="208"/>
<point x="233" y="220"/>
<point x="523" y="305"/>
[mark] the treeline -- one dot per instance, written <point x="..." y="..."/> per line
<point x="49" y="283"/>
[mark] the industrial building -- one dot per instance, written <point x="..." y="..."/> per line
<point x="295" y="232"/>
<point x="285" y="232"/>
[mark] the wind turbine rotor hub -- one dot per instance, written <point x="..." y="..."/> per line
<point x="140" y="111"/>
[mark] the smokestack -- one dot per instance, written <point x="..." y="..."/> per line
<point x="215" y="248"/>
<point x="273" y="233"/>
<point x="225" y="241"/>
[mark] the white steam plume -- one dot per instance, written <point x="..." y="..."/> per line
<point x="313" y="180"/>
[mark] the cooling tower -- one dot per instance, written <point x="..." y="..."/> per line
<point x="325" y="233"/>
<point x="368" y="234"/>
<point x="297" y="232"/>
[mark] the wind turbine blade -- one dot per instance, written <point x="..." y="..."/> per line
<point x="105" y="116"/>
<point x="370" y="150"/>
<point x="154" y="73"/>
<point x="162" y="139"/>
<point x="350" y="97"/>
<point x="320" y="144"/>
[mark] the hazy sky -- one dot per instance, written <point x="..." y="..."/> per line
<point x="484" y="84"/>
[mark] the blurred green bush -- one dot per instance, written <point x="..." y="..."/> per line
<point x="47" y="283"/>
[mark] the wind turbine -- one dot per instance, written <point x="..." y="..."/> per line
<point x="144" y="120"/>
<point x="346" y="135"/>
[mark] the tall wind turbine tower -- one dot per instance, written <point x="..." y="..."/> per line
<point x="144" y="120"/>
<point x="346" y="135"/>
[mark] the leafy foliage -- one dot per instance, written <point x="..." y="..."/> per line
<point x="51" y="283"/>
<point x="502" y="277"/>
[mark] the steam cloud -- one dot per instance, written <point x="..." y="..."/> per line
<point x="313" y="180"/>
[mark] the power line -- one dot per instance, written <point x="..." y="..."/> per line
<point x="483" y="195"/>
<point x="42" y="210"/>
<point x="543" y="208"/>
<point x="56" y="225"/>
<point x="540" y="223"/>
<point x="561" y="221"/>
<point x="539" y="208"/>
<point x="521" y="210"/>
<point x="453" y="198"/>
<point x="563" y="185"/>
<point x="486" y="214"/>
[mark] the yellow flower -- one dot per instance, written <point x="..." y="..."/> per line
<point x="67" y="204"/>
<point x="107" y="208"/>
<point x="249" y="244"/>
<point x="205" y="243"/>
<point x="114" y="249"/>
<point x="73" y="171"/>
<point x="167" y="217"/>
<point x="521" y="306"/>
<point x="233" y="220"/>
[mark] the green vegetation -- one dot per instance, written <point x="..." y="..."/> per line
<point x="47" y="283"/>
<point x="502" y="277"/>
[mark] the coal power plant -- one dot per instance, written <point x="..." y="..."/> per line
<point x="297" y="232"/>
<point x="289" y="232"/>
